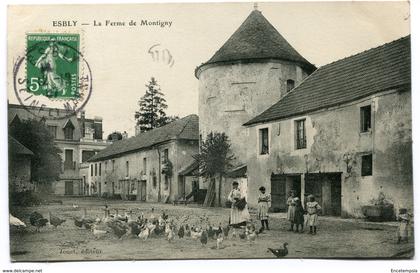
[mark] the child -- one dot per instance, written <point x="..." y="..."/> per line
<point x="263" y="205"/>
<point x="404" y="219"/>
<point x="291" y="209"/>
<point x="312" y="208"/>
<point x="299" y="212"/>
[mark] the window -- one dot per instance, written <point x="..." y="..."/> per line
<point x="68" y="133"/>
<point x="52" y="130"/>
<point x="263" y="135"/>
<point x="68" y="159"/>
<point x="300" y="134"/>
<point x="154" y="181"/>
<point x="165" y="155"/>
<point x="367" y="165"/>
<point x="91" y="169"/>
<point x="86" y="155"/>
<point x="290" y="84"/>
<point x="100" y="169"/>
<point x="365" y="118"/>
<point x="113" y="164"/>
<point x="96" y="169"/>
<point x="127" y="166"/>
<point x="145" y="165"/>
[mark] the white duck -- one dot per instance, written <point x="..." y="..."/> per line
<point x="16" y="221"/>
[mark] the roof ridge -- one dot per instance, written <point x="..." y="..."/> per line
<point x="359" y="75"/>
<point x="364" y="51"/>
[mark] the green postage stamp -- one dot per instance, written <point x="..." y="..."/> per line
<point x="52" y="68"/>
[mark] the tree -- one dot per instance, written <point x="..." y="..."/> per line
<point x="214" y="159"/>
<point x="46" y="162"/>
<point x="115" y="136"/>
<point x="152" y="106"/>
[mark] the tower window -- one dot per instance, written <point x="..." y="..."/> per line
<point x="290" y="84"/>
<point x="263" y="141"/>
<point x="300" y="134"/>
<point x="365" y="118"/>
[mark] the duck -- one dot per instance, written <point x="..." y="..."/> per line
<point x="280" y="252"/>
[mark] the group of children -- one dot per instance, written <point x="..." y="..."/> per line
<point x="295" y="212"/>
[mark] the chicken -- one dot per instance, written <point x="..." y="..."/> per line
<point x="187" y="231"/>
<point x="88" y="223"/>
<point x="36" y="219"/>
<point x="219" y="230"/>
<point x="134" y="228"/>
<point x="252" y="236"/>
<point x="280" y="252"/>
<point x="233" y="234"/>
<point x="55" y="221"/>
<point x="219" y="241"/>
<point x="144" y="234"/>
<point x="13" y="221"/>
<point x="78" y="222"/>
<point x="226" y="231"/>
<point x="99" y="230"/>
<point x="119" y="228"/>
<point x="75" y="206"/>
<point x="171" y="235"/>
<point x="164" y="216"/>
<point x="203" y="238"/>
<point x="210" y="232"/>
<point x="181" y="232"/>
<point x="196" y="233"/>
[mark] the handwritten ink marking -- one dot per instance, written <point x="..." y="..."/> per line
<point x="161" y="54"/>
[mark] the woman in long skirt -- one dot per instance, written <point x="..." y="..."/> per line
<point x="291" y="209"/>
<point x="263" y="204"/>
<point x="238" y="217"/>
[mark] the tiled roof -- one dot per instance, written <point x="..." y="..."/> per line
<point x="257" y="39"/>
<point x="190" y="170"/>
<point x="369" y="72"/>
<point x="16" y="147"/>
<point x="185" y="128"/>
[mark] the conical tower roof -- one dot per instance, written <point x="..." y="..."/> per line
<point x="255" y="40"/>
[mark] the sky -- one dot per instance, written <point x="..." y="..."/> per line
<point x="122" y="65"/>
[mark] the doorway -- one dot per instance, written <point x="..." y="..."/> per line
<point x="181" y="187"/>
<point x="143" y="190"/>
<point x="68" y="187"/>
<point x="326" y="188"/>
<point x="281" y="185"/>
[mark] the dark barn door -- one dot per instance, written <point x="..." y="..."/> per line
<point x="143" y="190"/>
<point x="68" y="190"/>
<point x="326" y="187"/>
<point x="278" y="193"/>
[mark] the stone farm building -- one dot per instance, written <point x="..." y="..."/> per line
<point x="78" y="137"/>
<point x="20" y="159"/>
<point x="150" y="166"/>
<point x="341" y="132"/>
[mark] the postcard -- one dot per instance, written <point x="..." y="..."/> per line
<point x="172" y="131"/>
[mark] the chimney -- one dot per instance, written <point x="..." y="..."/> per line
<point x="82" y="121"/>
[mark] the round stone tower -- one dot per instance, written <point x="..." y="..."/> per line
<point x="249" y="73"/>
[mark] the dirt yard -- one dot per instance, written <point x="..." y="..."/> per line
<point x="336" y="238"/>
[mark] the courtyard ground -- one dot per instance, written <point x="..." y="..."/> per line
<point x="336" y="238"/>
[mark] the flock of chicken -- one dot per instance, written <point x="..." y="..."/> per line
<point x="154" y="225"/>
